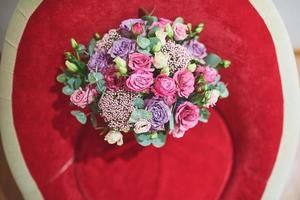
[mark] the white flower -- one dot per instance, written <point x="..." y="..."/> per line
<point x="161" y="35"/>
<point x="214" y="96"/>
<point x="142" y="126"/>
<point x="113" y="137"/>
<point x="160" y="60"/>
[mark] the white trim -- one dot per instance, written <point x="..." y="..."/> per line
<point x="16" y="162"/>
<point x="291" y="95"/>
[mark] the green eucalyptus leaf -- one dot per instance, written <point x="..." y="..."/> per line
<point x="94" y="77"/>
<point x="71" y="82"/>
<point x="100" y="86"/>
<point x="91" y="46"/>
<point x="62" y="78"/>
<point x="221" y="87"/>
<point x="204" y="115"/>
<point x="139" y="103"/>
<point x="212" y="60"/>
<point x="67" y="90"/>
<point x="80" y="116"/>
<point x="145" y="51"/>
<point x="143" y="139"/>
<point x="160" y="140"/>
<point x="77" y="83"/>
<point x="154" y="41"/>
<point x="138" y="114"/>
<point x="143" y="42"/>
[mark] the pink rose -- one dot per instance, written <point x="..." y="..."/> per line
<point x="186" y="117"/>
<point x="180" y="31"/>
<point x="139" y="61"/>
<point x="139" y="81"/>
<point x="161" y="23"/>
<point x="137" y="28"/>
<point x="164" y="86"/>
<point x="185" y="81"/>
<point x="210" y="74"/>
<point x="82" y="98"/>
<point x="170" y="100"/>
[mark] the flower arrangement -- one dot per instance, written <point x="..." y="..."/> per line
<point x="150" y="77"/>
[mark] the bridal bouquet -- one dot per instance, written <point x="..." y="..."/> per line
<point x="150" y="77"/>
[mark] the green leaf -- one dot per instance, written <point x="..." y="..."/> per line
<point x="212" y="60"/>
<point x="150" y="19"/>
<point x="81" y="48"/>
<point x="143" y="139"/>
<point x="152" y="31"/>
<point x="80" y="116"/>
<point x="139" y="103"/>
<point x="77" y="83"/>
<point x="71" y="82"/>
<point x="91" y="46"/>
<point x="154" y="41"/>
<point x="160" y="140"/>
<point x="221" y="87"/>
<point x="100" y="86"/>
<point x="143" y="42"/>
<point x="178" y="20"/>
<point x="138" y="114"/>
<point x="171" y="122"/>
<point x="67" y="90"/>
<point x="145" y="51"/>
<point x="204" y="115"/>
<point x="198" y="99"/>
<point x="94" y="77"/>
<point x="157" y="139"/>
<point x="62" y="78"/>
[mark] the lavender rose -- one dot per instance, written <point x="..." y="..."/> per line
<point x="122" y="48"/>
<point x="160" y="113"/>
<point x="196" y="49"/>
<point x="98" y="61"/>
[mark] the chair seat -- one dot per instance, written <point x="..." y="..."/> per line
<point x="195" y="167"/>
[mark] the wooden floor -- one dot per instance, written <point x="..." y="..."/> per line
<point x="8" y="188"/>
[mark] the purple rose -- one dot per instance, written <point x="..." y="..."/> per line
<point x="160" y="113"/>
<point x="98" y="61"/>
<point x="196" y="49"/>
<point x="127" y="24"/>
<point x="122" y="48"/>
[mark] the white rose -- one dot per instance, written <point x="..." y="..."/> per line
<point x="113" y="137"/>
<point x="214" y="96"/>
<point x="142" y="126"/>
<point x="160" y="60"/>
<point x="161" y="35"/>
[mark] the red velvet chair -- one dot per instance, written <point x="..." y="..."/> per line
<point x="239" y="154"/>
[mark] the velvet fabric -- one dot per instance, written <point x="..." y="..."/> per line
<point x="231" y="157"/>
